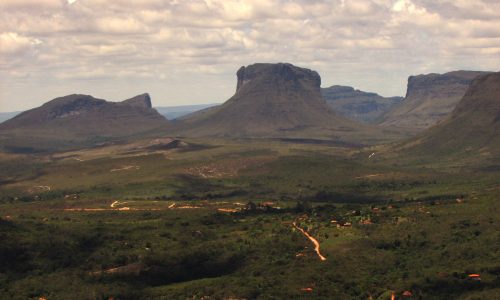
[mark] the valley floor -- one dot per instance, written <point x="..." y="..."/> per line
<point x="241" y="219"/>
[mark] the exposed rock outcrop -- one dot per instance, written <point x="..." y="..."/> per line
<point x="473" y="126"/>
<point x="429" y="99"/>
<point x="143" y="100"/>
<point x="275" y="100"/>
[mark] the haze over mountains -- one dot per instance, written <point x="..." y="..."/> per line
<point x="429" y="99"/>
<point x="81" y="120"/>
<point x="4" y="116"/>
<point x="358" y="105"/>
<point x="175" y="112"/>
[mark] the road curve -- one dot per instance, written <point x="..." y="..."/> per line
<point x="313" y="240"/>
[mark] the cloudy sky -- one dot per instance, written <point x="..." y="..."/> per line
<point x="188" y="51"/>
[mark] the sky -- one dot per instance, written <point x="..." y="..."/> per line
<point x="188" y="51"/>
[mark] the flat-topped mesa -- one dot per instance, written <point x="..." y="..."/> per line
<point x="275" y="100"/>
<point x="277" y="74"/>
<point x="341" y="89"/>
<point x="473" y="128"/>
<point x="429" y="99"/>
<point x="142" y="100"/>
<point x="451" y="83"/>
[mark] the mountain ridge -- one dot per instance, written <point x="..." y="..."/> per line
<point x="358" y="105"/>
<point x="472" y="128"/>
<point x="79" y="120"/>
<point x="274" y="100"/>
<point x="429" y="99"/>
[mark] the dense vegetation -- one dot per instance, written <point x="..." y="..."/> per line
<point x="188" y="233"/>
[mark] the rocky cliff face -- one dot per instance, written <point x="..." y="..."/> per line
<point x="429" y="99"/>
<point x="273" y="100"/>
<point x="77" y="120"/>
<point x="473" y="126"/>
<point x="358" y="105"/>
<point x="143" y="100"/>
<point x="286" y="73"/>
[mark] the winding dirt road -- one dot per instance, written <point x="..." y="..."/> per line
<point x="114" y="204"/>
<point x="313" y="240"/>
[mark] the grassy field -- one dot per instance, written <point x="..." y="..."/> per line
<point x="214" y="220"/>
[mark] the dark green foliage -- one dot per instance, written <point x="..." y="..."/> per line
<point x="428" y="229"/>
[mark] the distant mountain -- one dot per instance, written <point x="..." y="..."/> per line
<point x="4" y="116"/>
<point x="169" y="112"/>
<point x="429" y="99"/>
<point x="473" y="126"/>
<point x="275" y="100"/>
<point x="81" y="120"/>
<point x="357" y="105"/>
<point x="174" y="112"/>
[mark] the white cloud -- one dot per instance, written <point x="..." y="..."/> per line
<point x="403" y="5"/>
<point x="169" y="47"/>
<point x="13" y="43"/>
<point x="30" y="4"/>
<point x="120" y="25"/>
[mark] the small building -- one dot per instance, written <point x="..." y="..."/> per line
<point x="407" y="294"/>
<point x="475" y="277"/>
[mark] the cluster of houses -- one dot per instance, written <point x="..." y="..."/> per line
<point x="354" y="215"/>
<point x="340" y="224"/>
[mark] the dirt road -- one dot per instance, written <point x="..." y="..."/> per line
<point x="126" y="168"/>
<point x="114" y="204"/>
<point x="313" y="240"/>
